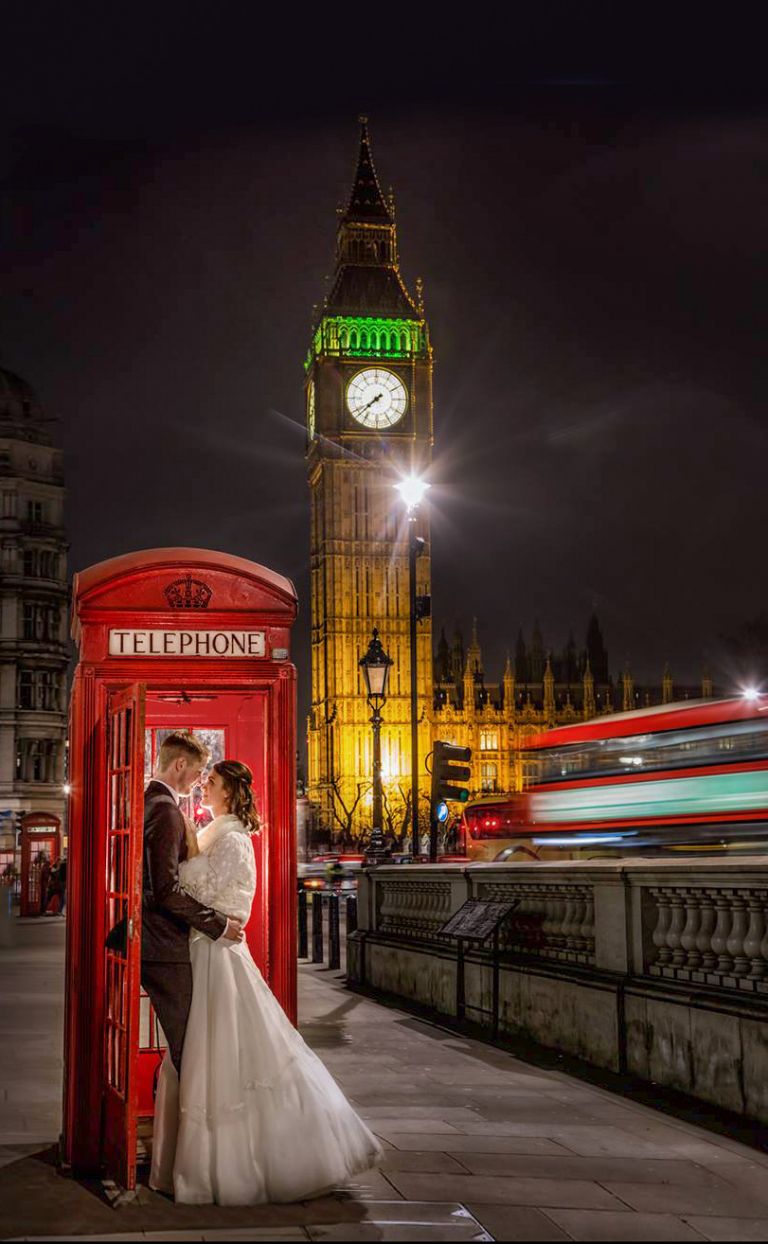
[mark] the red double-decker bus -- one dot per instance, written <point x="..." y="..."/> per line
<point x="688" y="776"/>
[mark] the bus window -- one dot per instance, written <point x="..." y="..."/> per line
<point x="645" y="753"/>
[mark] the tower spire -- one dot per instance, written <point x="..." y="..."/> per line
<point x="366" y="202"/>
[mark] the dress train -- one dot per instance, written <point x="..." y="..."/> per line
<point x="256" y="1116"/>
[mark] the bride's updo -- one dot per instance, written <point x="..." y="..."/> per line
<point x="238" y="784"/>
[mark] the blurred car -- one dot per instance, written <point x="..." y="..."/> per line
<point x="334" y="872"/>
<point x="405" y="857"/>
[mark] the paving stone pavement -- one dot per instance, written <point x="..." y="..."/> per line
<point x="479" y="1145"/>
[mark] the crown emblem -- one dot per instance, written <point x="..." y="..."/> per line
<point x="187" y="593"/>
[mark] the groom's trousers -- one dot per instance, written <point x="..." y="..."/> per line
<point x="169" y="986"/>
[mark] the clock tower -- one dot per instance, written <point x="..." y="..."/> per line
<point x="368" y="392"/>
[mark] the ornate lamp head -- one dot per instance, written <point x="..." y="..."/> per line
<point x="375" y="666"/>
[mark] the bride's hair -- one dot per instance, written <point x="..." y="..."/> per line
<point x="238" y="783"/>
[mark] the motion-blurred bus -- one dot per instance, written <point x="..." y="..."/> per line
<point x="679" y="777"/>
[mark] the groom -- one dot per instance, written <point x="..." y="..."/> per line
<point x="166" y="911"/>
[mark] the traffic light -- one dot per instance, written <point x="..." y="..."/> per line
<point x="449" y="764"/>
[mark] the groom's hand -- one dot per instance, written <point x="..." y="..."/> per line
<point x="234" y="930"/>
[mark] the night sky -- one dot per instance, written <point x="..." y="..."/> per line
<point x="586" y="206"/>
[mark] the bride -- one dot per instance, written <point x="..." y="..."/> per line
<point x="255" y="1116"/>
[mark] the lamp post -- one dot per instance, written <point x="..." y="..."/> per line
<point x="412" y="491"/>
<point x="375" y="666"/>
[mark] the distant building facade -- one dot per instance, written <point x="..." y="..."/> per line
<point x="33" y="600"/>
<point x="538" y="689"/>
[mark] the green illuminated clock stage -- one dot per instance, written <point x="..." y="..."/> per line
<point x="311" y="409"/>
<point x="376" y="398"/>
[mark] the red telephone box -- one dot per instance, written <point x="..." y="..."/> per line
<point x="168" y="639"/>
<point x="40" y="834"/>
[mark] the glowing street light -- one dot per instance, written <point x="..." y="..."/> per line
<point x="412" y="490"/>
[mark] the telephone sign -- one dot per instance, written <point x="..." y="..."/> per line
<point x="192" y="643"/>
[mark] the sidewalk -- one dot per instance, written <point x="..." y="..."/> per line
<point x="480" y="1146"/>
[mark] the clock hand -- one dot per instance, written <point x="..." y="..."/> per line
<point x="363" y="409"/>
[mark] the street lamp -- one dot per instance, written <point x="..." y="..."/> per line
<point x="375" y="666"/>
<point x="412" y="491"/>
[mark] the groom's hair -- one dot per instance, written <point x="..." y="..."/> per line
<point x="181" y="743"/>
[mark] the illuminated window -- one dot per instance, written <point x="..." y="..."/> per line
<point x="488" y="776"/>
<point x="489" y="740"/>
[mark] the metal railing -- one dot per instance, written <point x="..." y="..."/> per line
<point x="322" y="918"/>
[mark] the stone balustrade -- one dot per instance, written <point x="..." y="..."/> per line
<point x="709" y="935"/>
<point x="413" y="911"/>
<point x="554" y="921"/>
<point x="655" y="966"/>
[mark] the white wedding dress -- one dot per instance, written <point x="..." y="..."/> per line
<point x="255" y="1116"/>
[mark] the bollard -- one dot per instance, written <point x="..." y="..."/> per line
<point x="6" y="915"/>
<point x="334" y="941"/>
<point x="351" y="913"/>
<point x="317" y="927"/>
<point x="303" y="948"/>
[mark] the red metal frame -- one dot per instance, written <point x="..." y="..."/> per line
<point x="125" y="806"/>
<point x="40" y="831"/>
<point x="254" y="698"/>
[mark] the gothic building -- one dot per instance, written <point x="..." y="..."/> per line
<point x="538" y="689"/>
<point x="33" y="599"/>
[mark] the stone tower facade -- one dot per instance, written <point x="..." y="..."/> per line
<point x="368" y="392"/>
<point x="33" y="599"/>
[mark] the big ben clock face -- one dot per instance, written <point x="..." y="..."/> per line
<point x="376" y="398"/>
<point x="311" y="409"/>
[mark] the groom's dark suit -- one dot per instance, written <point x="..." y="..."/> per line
<point x="166" y="915"/>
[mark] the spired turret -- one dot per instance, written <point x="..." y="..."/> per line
<point x="549" y="692"/>
<point x="590" y="707"/>
<point x="627" y="690"/>
<point x="667" y="687"/>
<point x="474" y="653"/>
<point x="596" y="652"/>
<point x="367" y="279"/>
<point x="509" y="689"/>
<point x="536" y="655"/>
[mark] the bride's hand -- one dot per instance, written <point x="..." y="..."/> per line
<point x="191" y="836"/>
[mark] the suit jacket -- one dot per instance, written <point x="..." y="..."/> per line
<point x="166" y="911"/>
